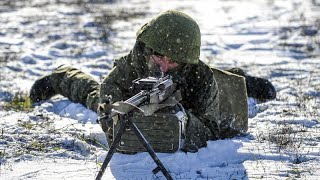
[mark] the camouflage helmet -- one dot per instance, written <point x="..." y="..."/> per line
<point x="173" y="34"/>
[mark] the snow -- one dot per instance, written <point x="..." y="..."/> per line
<point x="57" y="139"/>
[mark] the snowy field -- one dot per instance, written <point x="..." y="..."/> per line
<point x="57" y="139"/>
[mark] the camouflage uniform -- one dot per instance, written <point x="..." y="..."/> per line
<point x="215" y="100"/>
<point x="199" y="90"/>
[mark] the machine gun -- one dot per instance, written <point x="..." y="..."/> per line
<point x="148" y="91"/>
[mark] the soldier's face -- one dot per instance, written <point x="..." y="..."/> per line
<point x="163" y="62"/>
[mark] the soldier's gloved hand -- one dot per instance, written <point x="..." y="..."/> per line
<point x="104" y="112"/>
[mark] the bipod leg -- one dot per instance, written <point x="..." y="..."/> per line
<point x="112" y="148"/>
<point x="150" y="150"/>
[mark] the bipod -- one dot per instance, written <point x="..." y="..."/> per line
<point x="126" y="122"/>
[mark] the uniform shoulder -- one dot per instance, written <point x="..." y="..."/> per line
<point x="199" y="73"/>
<point x="122" y="61"/>
<point x="203" y="68"/>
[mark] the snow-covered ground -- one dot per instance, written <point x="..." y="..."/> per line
<point x="57" y="139"/>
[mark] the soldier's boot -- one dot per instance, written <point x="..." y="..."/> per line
<point x="42" y="89"/>
<point x="258" y="88"/>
